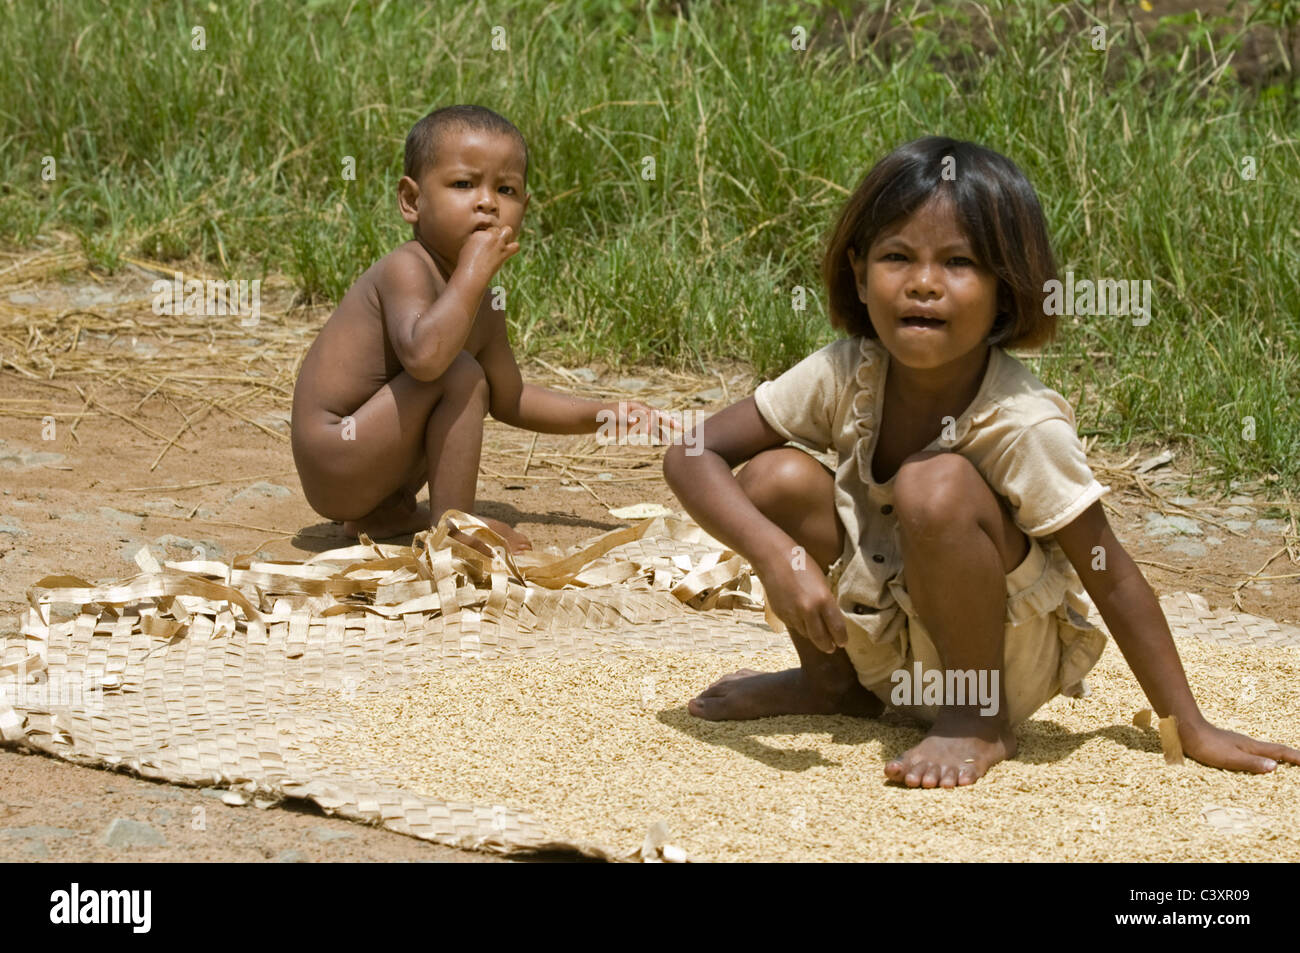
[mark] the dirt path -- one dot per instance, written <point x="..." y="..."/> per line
<point x="86" y="500"/>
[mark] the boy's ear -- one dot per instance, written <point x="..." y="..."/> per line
<point x="528" y="197"/>
<point x="408" y="191"/>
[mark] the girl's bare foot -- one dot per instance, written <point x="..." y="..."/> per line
<point x="959" y="749"/>
<point x="398" y="515"/>
<point x="749" y="694"/>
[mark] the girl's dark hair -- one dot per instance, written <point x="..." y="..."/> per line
<point x="996" y="208"/>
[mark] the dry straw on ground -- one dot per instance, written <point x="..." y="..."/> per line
<point x="110" y="357"/>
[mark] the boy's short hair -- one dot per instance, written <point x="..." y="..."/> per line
<point x="996" y="208"/>
<point x="426" y="136"/>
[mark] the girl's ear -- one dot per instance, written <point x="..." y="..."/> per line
<point x="1002" y="320"/>
<point x="859" y="267"/>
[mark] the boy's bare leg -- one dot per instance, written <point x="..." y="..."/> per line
<point x="407" y="516"/>
<point x="958" y="545"/>
<point x="400" y="515"/>
<point x="364" y="475"/>
<point x="456" y="427"/>
<point x="797" y="493"/>
<point x="397" y="515"/>
<point x="515" y="540"/>
<point x="388" y="425"/>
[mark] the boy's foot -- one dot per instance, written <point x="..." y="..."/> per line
<point x="396" y="516"/>
<point x="749" y="694"/>
<point x="516" y="541"/>
<point x="471" y="542"/>
<point x="959" y="749"/>
<point x="400" y="515"/>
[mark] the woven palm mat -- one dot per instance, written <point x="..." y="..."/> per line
<point x="215" y="674"/>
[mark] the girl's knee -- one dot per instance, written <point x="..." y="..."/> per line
<point x="938" y="488"/>
<point x="777" y="478"/>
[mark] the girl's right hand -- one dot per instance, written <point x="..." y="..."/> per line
<point x="802" y="599"/>
<point x="487" y="250"/>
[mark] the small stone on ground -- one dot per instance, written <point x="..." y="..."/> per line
<point x="125" y="833"/>
<point x="325" y="834"/>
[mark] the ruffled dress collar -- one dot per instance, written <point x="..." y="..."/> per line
<point x="868" y="405"/>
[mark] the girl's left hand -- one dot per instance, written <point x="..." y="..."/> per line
<point x="635" y="417"/>
<point x="1236" y="752"/>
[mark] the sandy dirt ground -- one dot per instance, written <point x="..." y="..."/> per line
<point x="89" y="352"/>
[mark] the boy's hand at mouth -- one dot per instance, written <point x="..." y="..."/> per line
<point x="487" y="249"/>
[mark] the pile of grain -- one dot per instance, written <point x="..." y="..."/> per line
<point x="602" y="748"/>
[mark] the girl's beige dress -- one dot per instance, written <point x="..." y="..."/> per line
<point x="1021" y="437"/>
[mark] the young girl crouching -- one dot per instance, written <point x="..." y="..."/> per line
<point x="945" y="565"/>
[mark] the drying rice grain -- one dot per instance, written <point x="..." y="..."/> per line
<point x="602" y="748"/>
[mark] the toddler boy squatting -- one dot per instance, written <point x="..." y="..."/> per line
<point x="392" y="394"/>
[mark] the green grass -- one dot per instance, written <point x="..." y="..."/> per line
<point x="233" y="156"/>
